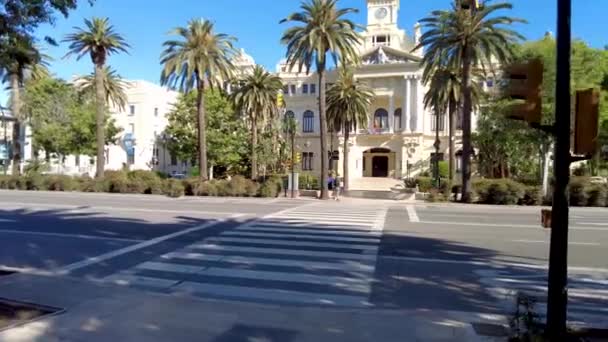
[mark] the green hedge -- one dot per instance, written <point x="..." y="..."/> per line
<point x="144" y="182"/>
<point x="499" y="191"/>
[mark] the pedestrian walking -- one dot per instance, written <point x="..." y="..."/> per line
<point x="337" y="185"/>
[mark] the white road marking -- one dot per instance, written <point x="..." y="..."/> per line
<point x="291" y="243"/>
<point x="379" y="222"/>
<point x="315" y="231"/>
<point x="255" y="234"/>
<point x="7" y="220"/>
<point x="315" y="225"/>
<point x="276" y="295"/>
<point x="168" y="267"/>
<point x="62" y="235"/>
<point x="343" y="265"/>
<point x="130" y="279"/>
<point x="411" y="212"/>
<point x="280" y="251"/>
<point x="548" y="242"/>
<point x="602" y="224"/>
<point x="90" y="261"/>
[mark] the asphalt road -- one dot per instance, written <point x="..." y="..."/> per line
<point x="353" y="253"/>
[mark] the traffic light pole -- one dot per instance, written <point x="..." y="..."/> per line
<point x="558" y="257"/>
<point x="293" y="164"/>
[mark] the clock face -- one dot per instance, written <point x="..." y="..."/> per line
<point x="381" y="13"/>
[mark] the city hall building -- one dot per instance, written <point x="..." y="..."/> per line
<point x="400" y="135"/>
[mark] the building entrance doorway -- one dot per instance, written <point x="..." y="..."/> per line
<point x="380" y="166"/>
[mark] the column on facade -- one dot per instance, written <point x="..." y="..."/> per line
<point x="407" y="108"/>
<point x="391" y="113"/>
<point x="419" y="104"/>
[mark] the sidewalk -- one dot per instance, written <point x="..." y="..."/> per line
<point x="101" y="313"/>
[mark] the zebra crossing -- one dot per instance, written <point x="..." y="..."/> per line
<point x="319" y="254"/>
<point x="587" y="292"/>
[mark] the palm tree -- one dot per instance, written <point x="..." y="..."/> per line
<point x="321" y="30"/>
<point x="199" y="57"/>
<point x="256" y="96"/>
<point x="114" y="87"/>
<point x="468" y="37"/>
<point x="20" y="60"/>
<point x="348" y="102"/>
<point x="99" y="40"/>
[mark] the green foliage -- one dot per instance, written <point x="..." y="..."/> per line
<point x="578" y="190"/>
<point x="61" y="183"/>
<point x="308" y="181"/>
<point x="33" y="181"/>
<point x="498" y="191"/>
<point x="62" y="121"/>
<point x="209" y="188"/>
<point x="239" y="186"/>
<point x="597" y="195"/>
<point x="173" y="188"/>
<point x="144" y="182"/>
<point x="532" y="196"/>
<point x="272" y="187"/>
<point x="116" y="182"/>
<point x="227" y="136"/>
<point x="425" y="184"/>
<point x="444" y="170"/>
<point x="88" y="184"/>
<point x="436" y="195"/>
<point x="410" y="183"/>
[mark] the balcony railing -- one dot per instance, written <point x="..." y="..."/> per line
<point x="375" y="131"/>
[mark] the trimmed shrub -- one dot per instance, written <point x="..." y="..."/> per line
<point x="308" y="181"/>
<point x="532" y="196"/>
<point x="239" y="186"/>
<point x="192" y="186"/>
<point x="60" y="183"/>
<point x="16" y="183"/>
<point x="116" y="182"/>
<point x="272" y="187"/>
<point x="33" y="181"/>
<point x="209" y="188"/>
<point x="597" y="195"/>
<point x="436" y="195"/>
<point x="444" y="169"/>
<point x="578" y="192"/>
<point x="498" y="191"/>
<point x="144" y="182"/>
<point x="425" y="184"/>
<point x="88" y="184"/>
<point x="409" y="183"/>
<point x="173" y="188"/>
<point x="4" y="181"/>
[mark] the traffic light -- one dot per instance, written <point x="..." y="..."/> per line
<point x="524" y="84"/>
<point x="298" y="157"/>
<point x="586" y="126"/>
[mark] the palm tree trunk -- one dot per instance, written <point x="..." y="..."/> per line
<point x="323" y="132"/>
<point x="100" y="98"/>
<point x="202" y="134"/>
<point x="345" y="171"/>
<point x="15" y="107"/>
<point x="452" y="128"/>
<point x="466" y="125"/>
<point x="254" y="144"/>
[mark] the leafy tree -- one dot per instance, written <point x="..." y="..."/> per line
<point x="200" y="56"/>
<point x="256" y="96"/>
<point x="99" y="40"/>
<point x="227" y="135"/>
<point x="19" y="60"/>
<point x="464" y="38"/>
<point x="348" y="103"/>
<point x="62" y="121"/>
<point x="321" y="29"/>
<point x="114" y="87"/>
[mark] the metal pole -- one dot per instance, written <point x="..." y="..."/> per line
<point x="558" y="256"/>
<point x="5" y="141"/>
<point x="293" y="164"/>
<point x="437" y="146"/>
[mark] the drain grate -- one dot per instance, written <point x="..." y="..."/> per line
<point x="13" y="313"/>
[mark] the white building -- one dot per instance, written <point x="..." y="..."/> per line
<point x="141" y="145"/>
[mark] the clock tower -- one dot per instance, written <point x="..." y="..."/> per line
<point x="382" y="13"/>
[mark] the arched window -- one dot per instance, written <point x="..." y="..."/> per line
<point x="398" y="120"/>
<point x="381" y="119"/>
<point x="289" y="115"/>
<point x="308" y="123"/>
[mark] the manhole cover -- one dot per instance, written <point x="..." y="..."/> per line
<point x="14" y="313"/>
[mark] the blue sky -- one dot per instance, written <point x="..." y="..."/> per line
<point x="255" y="23"/>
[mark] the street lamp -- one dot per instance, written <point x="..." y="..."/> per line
<point x="4" y="161"/>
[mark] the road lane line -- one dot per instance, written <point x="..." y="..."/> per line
<point x="291" y="243"/>
<point x="570" y="243"/>
<point x="276" y="295"/>
<point x="519" y="226"/>
<point x="7" y="220"/>
<point x="593" y="224"/>
<point x="411" y="212"/>
<point x="281" y="251"/>
<point x="74" y="236"/>
<point x="299" y="236"/>
<point x="95" y="260"/>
